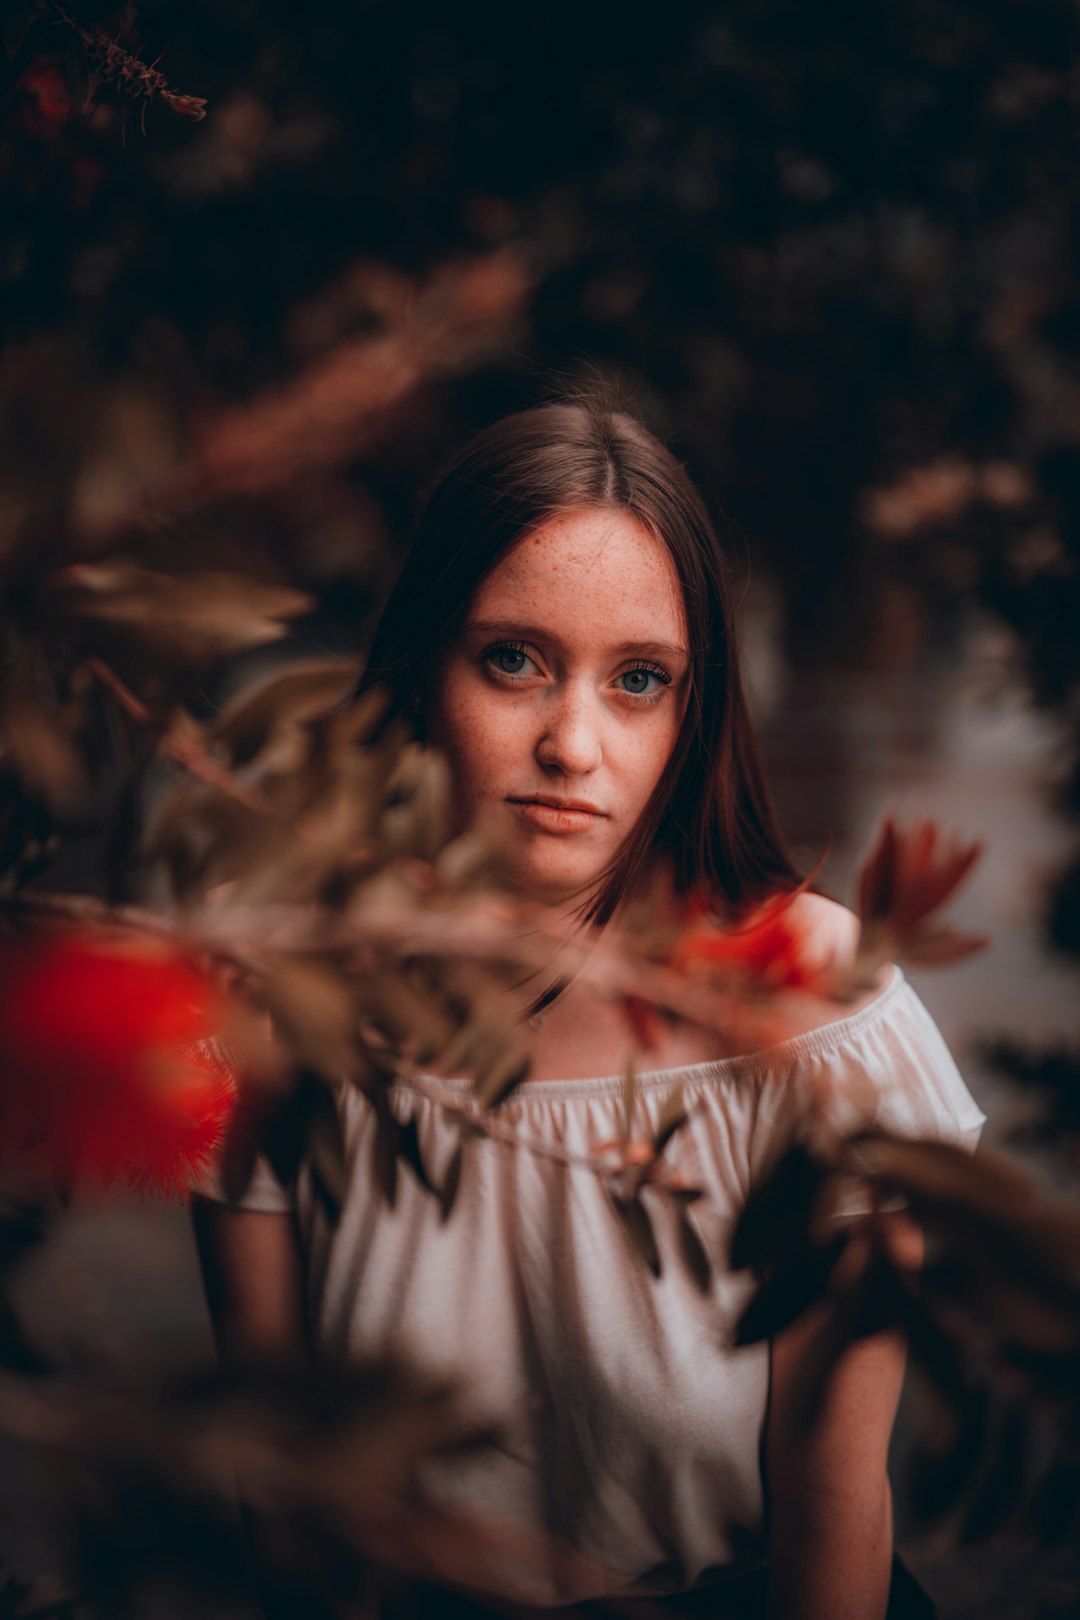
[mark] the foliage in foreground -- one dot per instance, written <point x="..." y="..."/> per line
<point x="320" y="913"/>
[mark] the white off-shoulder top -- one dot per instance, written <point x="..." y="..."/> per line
<point x="629" y="1426"/>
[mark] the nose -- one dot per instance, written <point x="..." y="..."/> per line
<point x="569" y="742"/>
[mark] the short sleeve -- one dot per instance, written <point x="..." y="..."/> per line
<point x="264" y="1193"/>
<point x="886" y="1067"/>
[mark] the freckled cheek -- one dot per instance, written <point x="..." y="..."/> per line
<point x="646" y="758"/>
<point x="484" y="741"/>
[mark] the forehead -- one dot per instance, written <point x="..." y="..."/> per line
<point x="600" y="571"/>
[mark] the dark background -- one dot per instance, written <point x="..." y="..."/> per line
<point x="828" y="253"/>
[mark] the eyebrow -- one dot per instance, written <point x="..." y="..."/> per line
<point x="513" y="627"/>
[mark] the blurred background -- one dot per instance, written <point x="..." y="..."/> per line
<point x="828" y="253"/>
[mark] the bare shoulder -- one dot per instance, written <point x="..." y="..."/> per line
<point x="829" y="936"/>
<point x="828" y="931"/>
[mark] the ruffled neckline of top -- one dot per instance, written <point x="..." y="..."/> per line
<point x="824" y="1038"/>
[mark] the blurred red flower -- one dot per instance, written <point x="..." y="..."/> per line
<point x="99" y="1063"/>
<point x="905" y="881"/>
<point x="43" y="82"/>
<point x="764" y="955"/>
<point x="769" y="950"/>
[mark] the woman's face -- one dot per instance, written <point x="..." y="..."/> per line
<point x="559" y="704"/>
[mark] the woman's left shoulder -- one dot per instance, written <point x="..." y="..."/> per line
<point x="827" y="931"/>
<point x="827" y="938"/>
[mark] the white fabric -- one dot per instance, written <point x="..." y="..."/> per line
<point x="631" y="1428"/>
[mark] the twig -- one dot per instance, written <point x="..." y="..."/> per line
<point x="503" y="1131"/>
<point x="128" y="73"/>
<point x="182" y="749"/>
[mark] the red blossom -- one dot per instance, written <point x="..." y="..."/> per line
<point x="91" y="1037"/>
<point x="43" y="82"/>
<point x="644" y="1021"/>
<point x="770" y="950"/>
<point x="905" y="880"/>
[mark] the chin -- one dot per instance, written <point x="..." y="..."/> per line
<point x="554" y="884"/>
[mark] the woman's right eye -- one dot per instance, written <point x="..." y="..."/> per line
<point x="507" y="658"/>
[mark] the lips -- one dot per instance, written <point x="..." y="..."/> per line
<point x="582" y="805"/>
<point x="559" y="817"/>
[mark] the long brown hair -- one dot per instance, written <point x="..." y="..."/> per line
<point x="711" y="814"/>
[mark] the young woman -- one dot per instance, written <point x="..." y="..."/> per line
<point x="563" y="632"/>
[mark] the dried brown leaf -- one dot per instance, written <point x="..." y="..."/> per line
<point x="943" y="1463"/>
<point x="629" y="1097"/>
<point x="877" y="877"/>
<point x="406" y="1014"/>
<point x="418" y="820"/>
<point x="41" y="753"/>
<point x="939" y="946"/>
<point x="409" y="1149"/>
<point x="451" y="1183"/>
<point x="240" y="1148"/>
<point x="204" y="838"/>
<point x="507" y="1068"/>
<point x="789" y="1291"/>
<point x="694" y="1253"/>
<point x="945" y="1172"/>
<point x="384" y="1152"/>
<point x="469" y="860"/>
<point x="779" y="1210"/>
<point x="195" y="618"/>
<point x="326" y="1151"/>
<point x="1000" y="1490"/>
<point x="908" y="876"/>
<point x="1032" y="1314"/>
<point x="471" y="1041"/>
<point x="638" y="1223"/>
<point x="312" y="1006"/>
<point x="78" y="78"/>
<point x="672" y="1116"/>
<point x="305" y="688"/>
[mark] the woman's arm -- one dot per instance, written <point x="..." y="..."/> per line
<point x="830" y="1505"/>
<point x="253" y="1276"/>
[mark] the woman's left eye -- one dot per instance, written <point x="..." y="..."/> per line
<point x="637" y="681"/>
